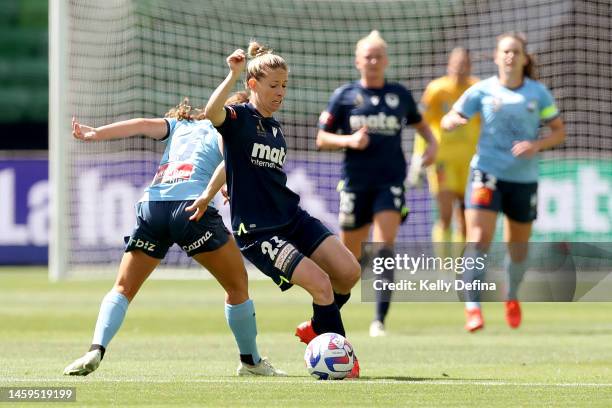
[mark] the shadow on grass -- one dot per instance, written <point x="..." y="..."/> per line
<point x="423" y="379"/>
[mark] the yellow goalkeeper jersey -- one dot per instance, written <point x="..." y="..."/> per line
<point x="437" y="100"/>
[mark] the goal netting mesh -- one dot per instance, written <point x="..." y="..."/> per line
<point x="138" y="58"/>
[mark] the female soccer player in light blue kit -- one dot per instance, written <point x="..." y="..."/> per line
<point x="504" y="170"/>
<point x="163" y="218"/>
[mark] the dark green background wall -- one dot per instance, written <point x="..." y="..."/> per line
<point x="24" y="74"/>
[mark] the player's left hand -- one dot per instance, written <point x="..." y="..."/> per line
<point x="198" y="207"/>
<point x="525" y="149"/>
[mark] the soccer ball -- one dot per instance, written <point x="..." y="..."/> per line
<point x="329" y="356"/>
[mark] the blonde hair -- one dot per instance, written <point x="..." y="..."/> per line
<point x="184" y="111"/>
<point x="373" y="38"/>
<point x="262" y="60"/>
<point x="530" y="69"/>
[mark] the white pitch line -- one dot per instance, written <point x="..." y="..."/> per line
<point x="4" y="382"/>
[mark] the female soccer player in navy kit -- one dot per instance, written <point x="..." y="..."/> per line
<point x="370" y="114"/>
<point x="504" y="170"/>
<point x="273" y="232"/>
<point x="163" y="218"/>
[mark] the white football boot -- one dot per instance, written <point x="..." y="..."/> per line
<point x="377" y="329"/>
<point x="264" y="368"/>
<point x="85" y="365"/>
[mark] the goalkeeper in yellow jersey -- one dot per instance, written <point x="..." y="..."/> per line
<point x="447" y="177"/>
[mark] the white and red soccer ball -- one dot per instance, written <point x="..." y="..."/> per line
<point x="329" y="356"/>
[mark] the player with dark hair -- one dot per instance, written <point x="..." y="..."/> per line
<point x="504" y="170"/>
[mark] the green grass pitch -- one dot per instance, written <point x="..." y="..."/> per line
<point x="175" y="349"/>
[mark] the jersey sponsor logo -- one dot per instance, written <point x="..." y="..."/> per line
<point x="285" y="257"/>
<point x="174" y="172"/>
<point x="141" y="244"/>
<point x="265" y="156"/>
<point x="326" y="118"/>
<point x="196" y="244"/>
<point x="392" y="100"/>
<point x="380" y="123"/>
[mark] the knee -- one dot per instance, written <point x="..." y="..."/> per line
<point x="353" y="272"/>
<point x="349" y="272"/>
<point x="235" y="295"/>
<point x="126" y="291"/>
<point x="319" y="286"/>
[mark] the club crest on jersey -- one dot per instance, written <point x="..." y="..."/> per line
<point x="274" y="131"/>
<point x="392" y="100"/>
<point x="532" y="105"/>
<point x="375" y="99"/>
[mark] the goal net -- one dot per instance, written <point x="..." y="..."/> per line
<point x="120" y="59"/>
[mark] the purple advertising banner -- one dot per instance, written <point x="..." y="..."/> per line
<point x="24" y="211"/>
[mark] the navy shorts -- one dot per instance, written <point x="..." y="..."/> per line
<point x="518" y="201"/>
<point x="160" y="224"/>
<point x="357" y="208"/>
<point x="277" y="252"/>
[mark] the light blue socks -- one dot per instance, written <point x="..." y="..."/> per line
<point x="241" y="320"/>
<point x="112" y="312"/>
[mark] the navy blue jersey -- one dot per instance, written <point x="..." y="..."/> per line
<point x="385" y="112"/>
<point x="255" y="150"/>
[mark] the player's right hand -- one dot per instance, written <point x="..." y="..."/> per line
<point x="198" y="208"/>
<point x="451" y="120"/>
<point x="237" y="61"/>
<point x="359" y="140"/>
<point x="83" y="132"/>
<point x="225" y="195"/>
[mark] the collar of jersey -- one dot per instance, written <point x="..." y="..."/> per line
<point x="270" y="119"/>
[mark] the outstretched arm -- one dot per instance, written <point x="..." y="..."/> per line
<point x="214" y="110"/>
<point x="153" y="128"/>
<point x="214" y="185"/>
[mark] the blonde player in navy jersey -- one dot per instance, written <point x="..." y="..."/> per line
<point x="273" y="232"/>
<point x="504" y="170"/>
<point x="163" y="218"/>
<point x="369" y="115"/>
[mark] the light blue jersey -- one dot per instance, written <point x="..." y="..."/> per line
<point x="191" y="156"/>
<point x="508" y="116"/>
